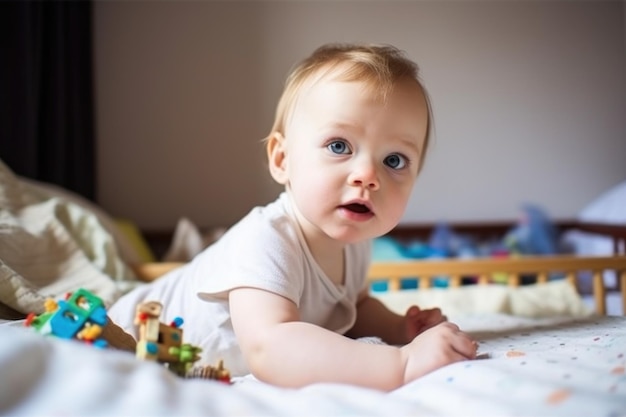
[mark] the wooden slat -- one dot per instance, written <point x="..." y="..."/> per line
<point x="599" y="293"/>
<point x="455" y="281"/>
<point x="513" y="280"/>
<point x="622" y="286"/>
<point x="425" y="281"/>
<point x="542" y="278"/>
<point x="394" y="283"/>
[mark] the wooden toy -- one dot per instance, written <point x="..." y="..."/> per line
<point x="218" y="372"/>
<point x="164" y="344"/>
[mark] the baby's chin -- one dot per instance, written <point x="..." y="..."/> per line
<point x="350" y="235"/>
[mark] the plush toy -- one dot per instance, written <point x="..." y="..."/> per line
<point x="443" y="240"/>
<point x="534" y="234"/>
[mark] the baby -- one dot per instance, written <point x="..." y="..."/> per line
<point x="282" y="294"/>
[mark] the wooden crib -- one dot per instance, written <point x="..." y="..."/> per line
<point x="541" y="268"/>
<point x="483" y="269"/>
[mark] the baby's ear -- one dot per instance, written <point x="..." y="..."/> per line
<point x="277" y="157"/>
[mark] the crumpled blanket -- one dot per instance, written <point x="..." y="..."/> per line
<point x="50" y="246"/>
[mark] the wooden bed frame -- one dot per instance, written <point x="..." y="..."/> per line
<point x="540" y="267"/>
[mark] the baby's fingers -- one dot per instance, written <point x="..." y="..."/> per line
<point x="465" y="345"/>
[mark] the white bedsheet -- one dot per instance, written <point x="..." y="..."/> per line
<point x="551" y="367"/>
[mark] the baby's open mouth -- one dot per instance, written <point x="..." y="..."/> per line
<point x="357" y="208"/>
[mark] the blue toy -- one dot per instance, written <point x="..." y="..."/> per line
<point x="534" y="234"/>
<point x="82" y="316"/>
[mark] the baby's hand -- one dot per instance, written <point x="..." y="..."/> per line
<point x="417" y="321"/>
<point x="436" y="347"/>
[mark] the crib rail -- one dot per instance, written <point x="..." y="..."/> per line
<point x="149" y="271"/>
<point x="425" y="271"/>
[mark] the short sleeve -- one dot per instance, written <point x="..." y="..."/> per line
<point x="261" y="251"/>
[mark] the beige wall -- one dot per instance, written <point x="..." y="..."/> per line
<point x="529" y="100"/>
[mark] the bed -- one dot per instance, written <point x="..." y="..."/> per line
<point x="542" y="351"/>
<point x="558" y="365"/>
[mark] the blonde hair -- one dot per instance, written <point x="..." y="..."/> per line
<point x="379" y="67"/>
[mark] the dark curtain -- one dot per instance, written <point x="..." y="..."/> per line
<point x="46" y="92"/>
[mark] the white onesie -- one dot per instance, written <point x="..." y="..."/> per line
<point x="264" y="250"/>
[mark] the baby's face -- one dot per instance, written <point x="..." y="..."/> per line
<point x="352" y="160"/>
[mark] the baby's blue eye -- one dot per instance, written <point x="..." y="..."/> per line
<point x="395" y="161"/>
<point x="339" y="147"/>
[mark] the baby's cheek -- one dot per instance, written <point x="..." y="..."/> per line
<point x="397" y="206"/>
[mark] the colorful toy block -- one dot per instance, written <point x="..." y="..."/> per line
<point x="81" y="316"/>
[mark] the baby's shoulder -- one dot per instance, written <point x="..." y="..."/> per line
<point x="273" y="219"/>
<point x="263" y="228"/>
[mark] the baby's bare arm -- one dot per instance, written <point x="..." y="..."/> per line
<point x="284" y="351"/>
<point x="375" y="319"/>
